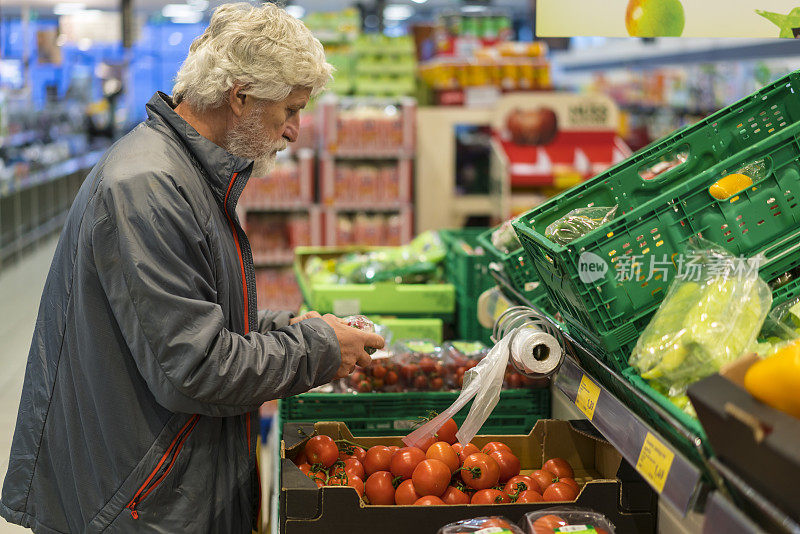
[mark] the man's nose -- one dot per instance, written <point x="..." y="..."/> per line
<point x="292" y="130"/>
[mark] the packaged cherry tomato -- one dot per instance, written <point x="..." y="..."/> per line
<point x="482" y="525"/>
<point x="459" y="357"/>
<point x="567" y="519"/>
<point x="361" y="323"/>
<point x="421" y="365"/>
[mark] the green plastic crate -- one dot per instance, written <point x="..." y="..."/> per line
<point x="412" y="328"/>
<point x="516" y="265"/>
<point x="392" y="414"/>
<point x="469" y="274"/>
<point x="384" y="298"/>
<point x="657" y="217"/>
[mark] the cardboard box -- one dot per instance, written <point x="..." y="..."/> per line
<point x="612" y="487"/>
<point x="759" y="443"/>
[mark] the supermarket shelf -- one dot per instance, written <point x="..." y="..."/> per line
<point x="348" y="153"/>
<point x="627" y="432"/>
<point x="775" y="518"/>
<point x="20" y="138"/>
<point x="369" y="206"/>
<point x="674" y="51"/>
<point x="32" y="237"/>
<point x="723" y="516"/>
<point x="623" y="428"/>
<point x="274" y="259"/>
<point x="279" y="206"/>
<point x="55" y="172"/>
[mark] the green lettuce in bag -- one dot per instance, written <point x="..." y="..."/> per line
<point x="711" y="315"/>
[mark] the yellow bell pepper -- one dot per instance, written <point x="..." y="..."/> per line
<point x="776" y="380"/>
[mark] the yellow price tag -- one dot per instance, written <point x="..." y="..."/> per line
<point x="586" y="399"/>
<point x="655" y="461"/>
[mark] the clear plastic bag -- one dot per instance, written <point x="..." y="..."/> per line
<point x="549" y="520"/>
<point x="505" y="238"/>
<point x="577" y="223"/>
<point x="705" y="321"/>
<point x="482" y="525"/>
<point x="460" y="357"/>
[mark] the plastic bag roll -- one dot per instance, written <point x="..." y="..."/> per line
<point x="535" y="352"/>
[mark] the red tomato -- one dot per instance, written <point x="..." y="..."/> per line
<point x="408" y="371"/>
<point x="529" y="496"/>
<point x="437" y="383"/>
<point x="453" y="495"/>
<point x="357" y="452"/>
<point x="322" y="450"/>
<point x="558" y="491"/>
<point x="489" y="496"/>
<point x="447" y="432"/>
<point x="390" y="379"/>
<point x="377" y="384"/>
<point x="570" y="482"/>
<point x="364" y="386"/>
<point x="379" y="488"/>
<point x="405" y="460"/>
<point x="426" y="444"/>
<point x="427" y="364"/>
<point x="463" y="452"/>
<point x="305" y="468"/>
<point x="354" y="468"/>
<point x="547" y="523"/>
<point x="378" y="458"/>
<point x="320" y="483"/>
<point x="543" y="478"/>
<point x="559" y="467"/>
<point x="301" y="458"/>
<point x="514" y="381"/>
<point x="358" y="484"/>
<point x="431" y="477"/>
<point x="520" y="483"/>
<point x="378" y="371"/>
<point x="394" y="448"/>
<point x="356" y="378"/>
<point x="508" y="463"/>
<point x="406" y="493"/>
<point x="480" y="471"/>
<point x="421" y="382"/>
<point x="495" y="446"/>
<point x="429" y="500"/>
<point x="496" y="522"/>
<point x="441" y="450"/>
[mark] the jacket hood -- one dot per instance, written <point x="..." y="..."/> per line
<point x="219" y="164"/>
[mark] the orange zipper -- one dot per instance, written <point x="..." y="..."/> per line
<point x="176" y="446"/>
<point x="244" y="292"/>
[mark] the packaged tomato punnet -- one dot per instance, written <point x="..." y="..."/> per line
<point x="482" y="525"/>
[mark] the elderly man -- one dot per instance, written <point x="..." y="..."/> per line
<point x="149" y="359"/>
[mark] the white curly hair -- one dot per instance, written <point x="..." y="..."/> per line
<point x="262" y="47"/>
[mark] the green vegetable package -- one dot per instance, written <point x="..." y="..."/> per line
<point x="710" y="316"/>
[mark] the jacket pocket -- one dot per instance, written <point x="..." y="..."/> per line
<point x="163" y="467"/>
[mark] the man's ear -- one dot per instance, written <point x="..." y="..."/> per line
<point x="236" y="99"/>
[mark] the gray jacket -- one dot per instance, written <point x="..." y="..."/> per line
<point x="149" y="360"/>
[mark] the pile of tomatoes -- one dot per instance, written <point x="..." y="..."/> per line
<point x="440" y="472"/>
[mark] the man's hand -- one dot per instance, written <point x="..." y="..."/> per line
<point x="309" y="315"/>
<point x="352" y="343"/>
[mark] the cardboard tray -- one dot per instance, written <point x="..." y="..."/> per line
<point x="757" y="442"/>
<point x="612" y="486"/>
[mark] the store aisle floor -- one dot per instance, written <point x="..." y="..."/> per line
<point x="20" y="290"/>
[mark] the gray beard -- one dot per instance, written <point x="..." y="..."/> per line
<point x="244" y="141"/>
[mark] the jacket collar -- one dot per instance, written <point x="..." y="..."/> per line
<point x="219" y="164"/>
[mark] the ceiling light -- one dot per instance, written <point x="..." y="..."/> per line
<point x="178" y="10"/>
<point x="192" y="18"/>
<point x="68" y="8"/>
<point x="473" y="9"/>
<point x="397" y="12"/>
<point x="297" y="11"/>
<point x="419" y="1"/>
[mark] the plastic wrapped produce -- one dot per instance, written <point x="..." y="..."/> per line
<point x="421" y="365"/>
<point x="704" y="323"/>
<point x="364" y="324"/>
<point x="485" y="525"/>
<point x="460" y="357"/>
<point x="577" y="223"/>
<point x="552" y="520"/>
<point x="505" y="238"/>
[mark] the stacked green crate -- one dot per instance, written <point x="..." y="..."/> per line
<point x="384" y="66"/>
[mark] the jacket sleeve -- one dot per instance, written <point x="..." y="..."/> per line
<point x="269" y="320"/>
<point x="156" y="267"/>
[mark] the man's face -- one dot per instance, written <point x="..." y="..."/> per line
<point x="264" y="128"/>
